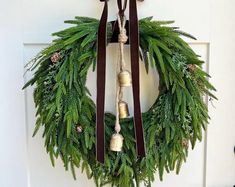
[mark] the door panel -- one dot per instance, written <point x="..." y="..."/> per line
<point x="41" y="171"/>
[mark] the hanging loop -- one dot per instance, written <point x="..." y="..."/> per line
<point x="122" y="7"/>
<point x="122" y="37"/>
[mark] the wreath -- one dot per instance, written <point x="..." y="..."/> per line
<point x="67" y="113"/>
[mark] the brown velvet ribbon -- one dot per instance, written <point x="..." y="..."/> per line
<point x="134" y="44"/>
<point x="100" y="100"/>
<point x="101" y="66"/>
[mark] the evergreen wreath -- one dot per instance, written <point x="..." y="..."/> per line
<point x="67" y="113"/>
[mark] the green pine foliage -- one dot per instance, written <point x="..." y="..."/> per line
<point x="63" y="101"/>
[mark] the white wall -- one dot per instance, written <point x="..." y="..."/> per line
<point x="13" y="156"/>
<point x="25" y="27"/>
<point x="221" y="133"/>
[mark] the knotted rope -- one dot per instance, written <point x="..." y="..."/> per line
<point x="122" y="39"/>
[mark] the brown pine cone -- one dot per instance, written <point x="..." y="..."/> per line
<point x="191" y="67"/>
<point x="55" y="57"/>
<point x="185" y="143"/>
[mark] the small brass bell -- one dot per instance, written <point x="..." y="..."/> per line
<point x="124" y="78"/>
<point x="123" y="110"/>
<point x="116" y="142"/>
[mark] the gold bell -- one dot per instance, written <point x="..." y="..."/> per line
<point x="124" y="78"/>
<point x="116" y="142"/>
<point x="123" y="109"/>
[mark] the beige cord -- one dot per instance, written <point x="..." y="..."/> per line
<point x="122" y="39"/>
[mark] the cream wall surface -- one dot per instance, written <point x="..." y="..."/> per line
<point x="25" y="28"/>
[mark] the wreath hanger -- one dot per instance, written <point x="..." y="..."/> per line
<point x="115" y="28"/>
<point x="101" y="66"/>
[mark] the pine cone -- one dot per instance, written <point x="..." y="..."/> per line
<point x="55" y="57"/>
<point x="191" y="67"/>
<point x="185" y="143"/>
<point x="79" y="129"/>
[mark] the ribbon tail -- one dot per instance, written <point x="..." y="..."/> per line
<point x="100" y="97"/>
<point x="134" y="45"/>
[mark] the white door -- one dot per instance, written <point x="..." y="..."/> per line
<point x="25" y="28"/>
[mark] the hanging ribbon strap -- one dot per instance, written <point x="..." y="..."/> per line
<point x="134" y="45"/>
<point x="100" y="100"/>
